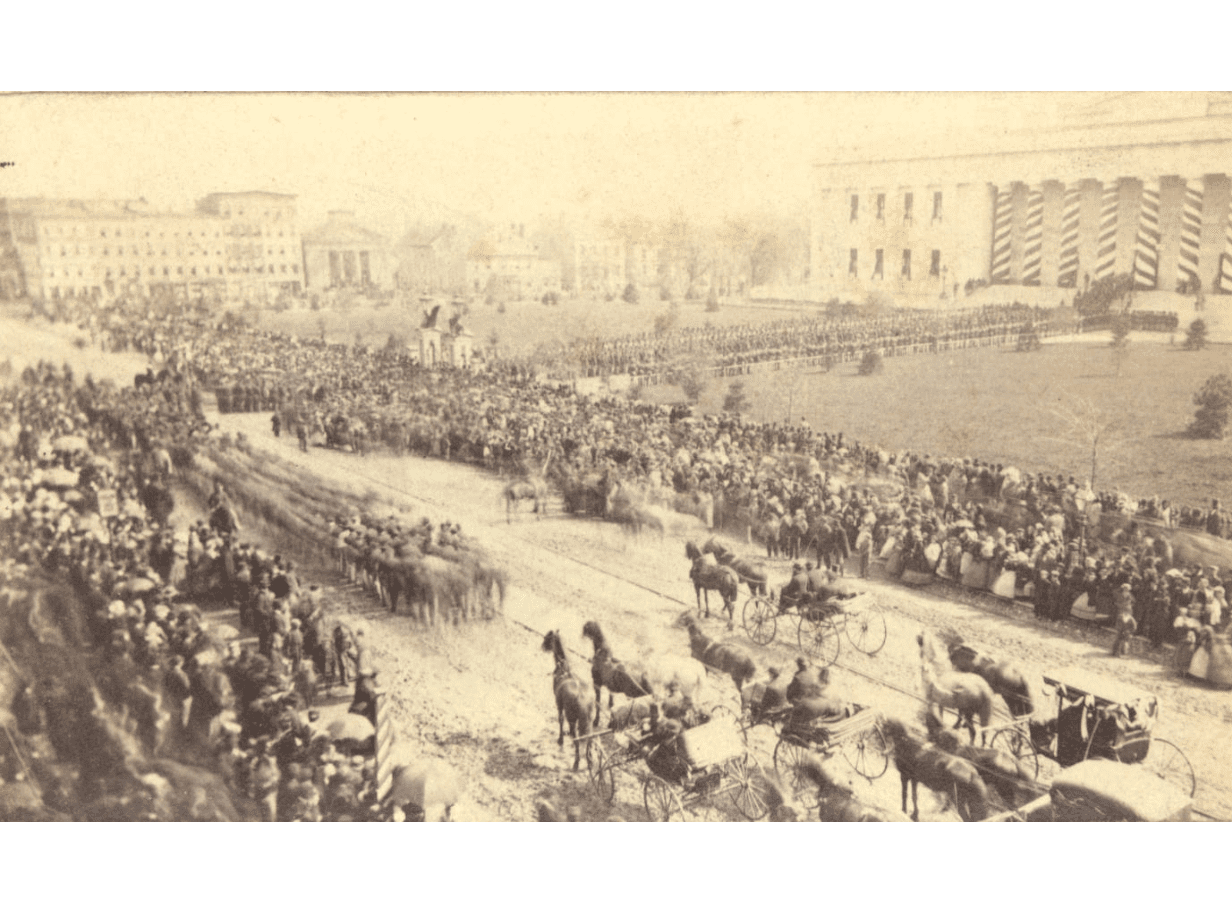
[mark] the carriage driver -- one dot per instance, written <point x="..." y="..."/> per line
<point x="796" y="591"/>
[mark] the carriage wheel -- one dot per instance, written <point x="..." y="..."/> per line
<point x="868" y="753"/>
<point x="761" y="621"/>
<point x="602" y="772"/>
<point x="1165" y="760"/>
<point x="727" y="714"/>
<point x="789" y="758"/>
<point x="752" y="791"/>
<point x="866" y="629"/>
<point x="661" y="800"/>
<point x="1014" y="741"/>
<point x="818" y="639"/>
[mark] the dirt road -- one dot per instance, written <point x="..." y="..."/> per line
<point x="482" y="695"/>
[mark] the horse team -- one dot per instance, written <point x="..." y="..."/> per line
<point x="966" y="777"/>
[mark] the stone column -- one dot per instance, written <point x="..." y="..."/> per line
<point x="1171" y="205"/>
<point x="1216" y="196"/>
<point x="1020" y="203"/>
<point x="1050" y="249"/>
<point x="1090" y="199"/>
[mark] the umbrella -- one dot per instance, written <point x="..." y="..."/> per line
<point x="431" y="785"/>
<point x="69" y="443"/>
<point x="224" y="632"/>
<point x="351" y="727"/>
<point x="59" y="478"/>
<point x="136" y="585"/>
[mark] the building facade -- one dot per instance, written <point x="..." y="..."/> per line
<point x="1151" y="199"/>
<point x="239" y="246"/>
<point x="343" y="254"/>
<point x="599" y="264"/>
<point x="510" y="267"/>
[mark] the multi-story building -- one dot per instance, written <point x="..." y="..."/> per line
<point x="510" y="267"/>
<point x="343" y="254"/>
<point x="599" y="264"/>
<point x="1056" y="209"/>
<point x="241" y="246"/>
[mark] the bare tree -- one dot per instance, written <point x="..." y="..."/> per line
<point x="1089" y="433"/>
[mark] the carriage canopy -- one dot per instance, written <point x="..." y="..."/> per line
<point x="1104" y="790"/>
<point x="1074" y="683"/>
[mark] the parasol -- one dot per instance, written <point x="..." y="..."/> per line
<point x="351" y="727"/>
<point x="69" y="443"/>
<point x="59" y="478"/>
<point x="431" y="785"/>
<point x="137" y="585"/>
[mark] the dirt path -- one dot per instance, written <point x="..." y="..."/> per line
<point x="488" y="685"/>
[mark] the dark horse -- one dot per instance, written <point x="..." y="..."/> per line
<point x="572" y="697"/>
<point x="752" y="574"/>
<point x="707" y="574"/>
<point x="956" y="780"/>
<point x="607" y="671"/>
<point x="1002" y="772"/>
<point x="726" y="658"/>
<point x="837" y="804"/>
<point x="1003" y="677"/>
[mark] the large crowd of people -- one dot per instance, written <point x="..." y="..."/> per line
<point x="736" y="349"/>
<point x="86" y="501"/>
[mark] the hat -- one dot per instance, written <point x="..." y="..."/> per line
<point x="1126" y="586"/>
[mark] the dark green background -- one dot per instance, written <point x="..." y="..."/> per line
<point x="718" y="46"/>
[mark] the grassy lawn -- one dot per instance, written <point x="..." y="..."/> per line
<point x="989" y="404"/>
<point x="1002" y="406"/>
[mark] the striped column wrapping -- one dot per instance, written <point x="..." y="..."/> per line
<point x="1225" y="268"/>
<point x="1105" y="255"/>
<point x="1191" y="233"/>
<point x="1033" y="238"/>
<point x="384" y="747"/>
<point x="1002" y="229"/>
<point x="1068" y="276"/>
<point x="1146" y="254"/>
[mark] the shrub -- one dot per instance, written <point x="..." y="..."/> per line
<point x="551" y="298"/>
<point x="871" y="364"/>
<point x="1214" y="403"/>
<point x="712" y="302"/>
<point x="1195" y="337"/>
<point x="629" y="295"/>
<point x="1120" y="330"/>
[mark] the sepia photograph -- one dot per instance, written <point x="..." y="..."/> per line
<point x="616" y="457"/>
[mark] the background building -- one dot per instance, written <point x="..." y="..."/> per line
<point x="343" y="254"/>
<point x="1054" y="210"/>
<point x="241" y="246"/>
<point x="510" y="267"/>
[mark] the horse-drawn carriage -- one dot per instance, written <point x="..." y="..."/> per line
<point x="856" y="734"/>
<point x="1097" y="718"/>
<point x="822" y="619"/>
<point x="683" y="768"/>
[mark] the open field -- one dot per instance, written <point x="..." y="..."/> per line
<point x="1001" y="406"/>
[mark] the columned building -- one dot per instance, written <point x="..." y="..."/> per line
<point x="343" y="254"/>
<point x="1152" y="199"/>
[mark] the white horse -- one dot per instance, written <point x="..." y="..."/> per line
<point x="944" y="688"/>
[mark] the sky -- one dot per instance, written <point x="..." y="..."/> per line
<point x="402" y="159"/>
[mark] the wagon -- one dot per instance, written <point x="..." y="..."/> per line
<point x="1106" y="791"/>
<point x="1097" y="718"/>
<point x="858" y="737"/>
<point x="708" y="761"/>
<point x="821" y="623"/>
